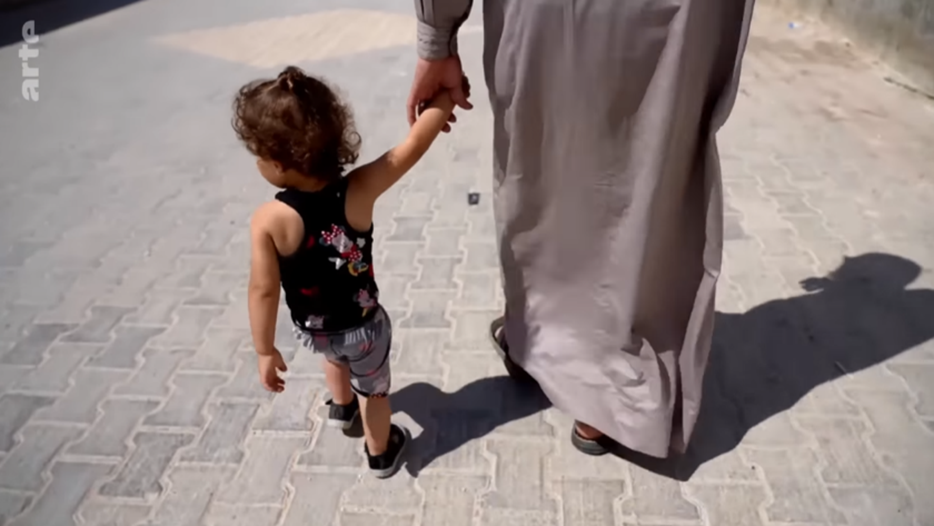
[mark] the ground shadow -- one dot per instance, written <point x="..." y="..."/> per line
<point x="451" y="420"/>
<point x="49" y="15"/>
<point x="765" y="360"/>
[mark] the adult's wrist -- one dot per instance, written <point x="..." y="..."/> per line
<point x="436" y="43"/>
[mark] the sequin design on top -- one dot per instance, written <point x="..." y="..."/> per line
<point x="366" y="301"/>
<point x="350" y="252"/>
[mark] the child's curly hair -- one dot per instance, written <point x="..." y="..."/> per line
<point x="298" y="121"/>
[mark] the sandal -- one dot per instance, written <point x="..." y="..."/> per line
<point x="594" y="447"/>
<point x="498" y="339"/>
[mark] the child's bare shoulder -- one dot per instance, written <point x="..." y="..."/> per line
<point x="280" y="222"/>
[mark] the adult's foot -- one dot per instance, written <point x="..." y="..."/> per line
<point x="498" y="339"/>
<point x="589" y="441"/>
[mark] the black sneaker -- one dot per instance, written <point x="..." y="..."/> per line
<point x="343" y="416"/>
<point x="386" y="465"/>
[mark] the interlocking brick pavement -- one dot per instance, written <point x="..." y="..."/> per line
<point x="128" y="389"/>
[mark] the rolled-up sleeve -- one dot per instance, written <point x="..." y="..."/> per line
<point x="438" y="22"/>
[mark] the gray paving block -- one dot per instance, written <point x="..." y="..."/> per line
<point x="98" y="328"/>
<point x="71" y="482"/>
<point x="291" y="409"/>
<point x="79" y="404"/>
<point x="152" y="379"/>
<point x="222" y="441"/>
<point x="184" y="407"/>
<point x="139" y="476"/>
<point x="124" y="352"/>
<point x="519" y="480"/>
<point x="191" y="490"/>
<point x="317" y="498"/>
<point x="218" y="350"/>
<point x="437" y="273"/>
<point x="22" y="468"/>
<point x="189" y="328"/>
<point x="100" y="514"/>
<point x="15" y="411"/>
<point x="108" y="436"/>
<point x="261" y="480"/>
<point x="12" y="504"/>
<point x="450" y="500"/>
<point x="54" y="374"/>
<point x="30" y="349"/>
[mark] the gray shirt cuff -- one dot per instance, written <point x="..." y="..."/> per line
<point x="436" y="43"/>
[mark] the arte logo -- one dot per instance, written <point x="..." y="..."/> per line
<point x="27" y="53"/>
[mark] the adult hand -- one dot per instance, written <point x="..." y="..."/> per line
<point x="432" y="76"/>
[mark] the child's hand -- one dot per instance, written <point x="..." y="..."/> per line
<point x="269" y="367"/>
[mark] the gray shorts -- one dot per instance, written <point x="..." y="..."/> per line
<point x="364" y="349"/>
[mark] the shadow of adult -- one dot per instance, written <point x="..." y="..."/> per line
<point x="451" y="420"/>
<point x="49" y="15"/>
<point x="765" y="360"/>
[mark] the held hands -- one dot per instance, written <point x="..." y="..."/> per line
<point x="432" y="76"/>
<point x="270" y="365"/>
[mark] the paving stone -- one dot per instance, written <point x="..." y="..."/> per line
<point x="399" y="259"/>
<point x="159" y="307"/>
<point x="519" y="480"/>
<point x="215" y="289"/>
<point x="656" y="498"/>
<point x="317" y="498"/>
<point x="590" y="503"/>
<point x="97" y="329"/>
<point x="22" y="468"/>
<point x="375" y="519"/>
<point x="260" y="480"/>
<point x="291" y="409"/>
<point x="478" y="291"/>
<point x="139" y="476"/>
<point x="245" y="383"/>
<point x="218" y="351"/>
<point x="437" y="273"/>
<point x="333" y="449"/>
<point x="184" y="407"/>
<point x="419" y="352"/>
<point x="444" y="243"/>
<point x="30" y="349"/>
<point x="730" y="505"/>
<point x="54" y="374"/>
<point x="874" y="506"/>
<point x="108" y="436"/>
<point x="428" y="310"/>
<point x="920" y="378"/>
<point x="409" y="229"/>
<point x="188" y="331"/>
<point x="58" y="504"/>
<point x="222" y="441"/>
<point x="127" y="347"/>
<point x="482" y="256"/>
<point x="849" y="460"/>
<point x="152" y="379"/>
<point x="79" y="404"/>
<point x="397" y="495"/>
<point x="451" y="500"/>
<point x="98" y="514"/>
<point x="15" y="411"/>
<point x="190" y="492"/>
<point x="12" y="504"/>
<point x="472" y="329"/>
<point x="797" y="495"/>
<point x="224" y="515"/>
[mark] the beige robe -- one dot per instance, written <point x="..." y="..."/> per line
<point x="608" y="196"/>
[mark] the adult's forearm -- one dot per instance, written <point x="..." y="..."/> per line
<point x="438" y="22"/>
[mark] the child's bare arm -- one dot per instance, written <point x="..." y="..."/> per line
<point x="371" y="180"/>
<point x="264" y="281"/>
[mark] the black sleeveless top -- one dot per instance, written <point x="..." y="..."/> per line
<point x="328" y="281"/>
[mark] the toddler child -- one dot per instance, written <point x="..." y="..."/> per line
<point x="315" y="241"/>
